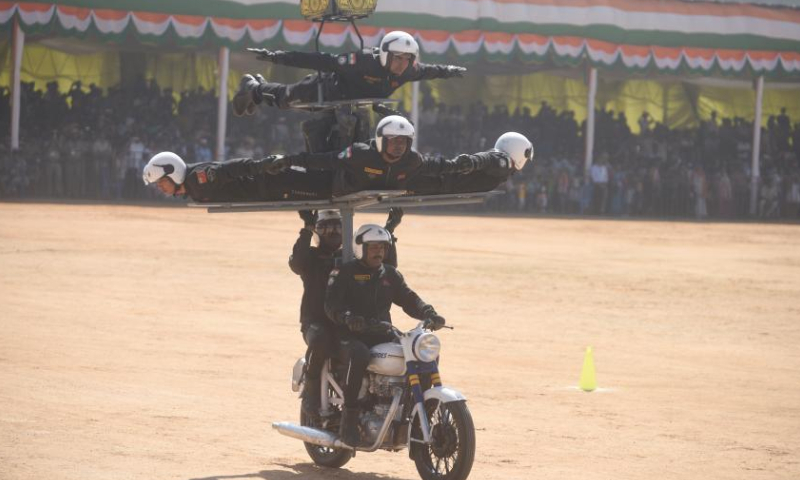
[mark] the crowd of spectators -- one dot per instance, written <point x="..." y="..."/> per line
<point x="91" y="144"/>
<point x="659" y="172"/>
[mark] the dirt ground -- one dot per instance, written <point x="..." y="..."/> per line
<point x="157" y="343"/>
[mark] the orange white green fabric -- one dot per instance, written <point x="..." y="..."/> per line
<point x="648" y="36"/>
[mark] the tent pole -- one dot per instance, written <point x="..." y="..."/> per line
<point x="755" y="169"/>
<point x="590" y="123"/>
<point x="222" y="107"/>
<point x="16" y="84"/>
<point x="415" y="111"/>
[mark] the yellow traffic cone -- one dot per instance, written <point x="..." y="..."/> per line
<point x="588" y="381"/>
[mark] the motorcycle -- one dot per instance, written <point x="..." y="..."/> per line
<point x="403" y="404"/>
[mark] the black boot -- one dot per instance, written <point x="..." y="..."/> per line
<point x="245" y="101"/>
<point x="349" y="429"/>
<point x="310" y="404"/>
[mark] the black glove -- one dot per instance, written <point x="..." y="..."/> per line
<point x="395" y="217"/>
<point x="309" y="218"/>
<point x="355" y="323"/>
<point x="434" y="322"/>
<point x="454" y="71"/>
<point x="265" y="55"/>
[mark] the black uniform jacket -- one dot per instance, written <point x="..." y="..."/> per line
<point x="358" y="75"/>
<point x="370" y="293"/>
<point x="237" y="181"/>
<point x="361" y="167"/>
<point x="314" y="267"/>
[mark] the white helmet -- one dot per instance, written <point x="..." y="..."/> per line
<point x="398" y="42"/>
<point x="164" y="164"/>
<point x="369" y="233"/>
<point x="393" y="126"/>
<point x="517" y="147"/>
<point x="326" y="215"/>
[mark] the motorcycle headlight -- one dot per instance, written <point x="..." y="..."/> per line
<point x="426" y="347"/>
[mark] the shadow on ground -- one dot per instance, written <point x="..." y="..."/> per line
<point x="304" y="471"/>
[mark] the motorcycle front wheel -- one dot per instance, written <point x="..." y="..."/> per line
<point x="452" y="449"/>
<point x="324" y="456"/>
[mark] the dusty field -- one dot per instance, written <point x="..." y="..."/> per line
<point x="157" y="343"/>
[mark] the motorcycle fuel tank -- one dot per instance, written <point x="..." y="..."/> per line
<point x="387" y="359"/>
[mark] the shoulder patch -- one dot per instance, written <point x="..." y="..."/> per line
<point x="201" y="176"/>
<point x="342" y="60"/>
<point x="503" y="163"/>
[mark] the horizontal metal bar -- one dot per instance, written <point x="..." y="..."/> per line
<point x="429" y="203"/>
<point x="368" y="199"/>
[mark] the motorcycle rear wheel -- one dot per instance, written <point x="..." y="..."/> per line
<point x="324" y="456"/>
<point x="452" y="450"/>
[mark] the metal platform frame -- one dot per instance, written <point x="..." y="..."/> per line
<point x="373" y="200"/>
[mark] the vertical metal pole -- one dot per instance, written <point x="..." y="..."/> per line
<point x="590" y="123"/>
<point x="320" y="97"/>
<point x="755" y="173"/>
<point x="415" y="111"/>
<point x="222" y="107"/>
<point x="16" y="84"/>
<point x="347" y="233"/>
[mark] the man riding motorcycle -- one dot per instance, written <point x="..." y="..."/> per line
<point x="386" y="163"/>
<point x="237" y="180"/>
<point x="314" y="264"/>
<point x="359" y="296"/>
<point x="349" y="76"/>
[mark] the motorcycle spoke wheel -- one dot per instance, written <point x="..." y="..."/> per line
<point x="451" y="452"/>
<point x="325" y="456"/>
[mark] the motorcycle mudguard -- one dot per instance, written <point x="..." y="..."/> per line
<point x="444" y="394"/>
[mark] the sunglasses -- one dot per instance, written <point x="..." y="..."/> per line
<point x="328" y="227"/>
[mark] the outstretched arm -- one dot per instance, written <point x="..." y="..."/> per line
<point x="236" y="168"/>
<point x="424" y="71"/>
<point x="325" y="62"/>
<point x="465" y="163"/>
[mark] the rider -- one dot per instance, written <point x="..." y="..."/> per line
<point x="374" y="74"/>
<point x="242" y="180"/>
<point x="359" y="296"/>
<point x="387" y="163"/>
<point x="314" y="265"/>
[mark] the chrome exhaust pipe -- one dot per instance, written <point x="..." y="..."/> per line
<point x="309" y="435"/>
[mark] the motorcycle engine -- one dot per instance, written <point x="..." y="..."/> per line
<point x="382" y="387"/>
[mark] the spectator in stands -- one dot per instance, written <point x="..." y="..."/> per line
<point x="599" y="176"/>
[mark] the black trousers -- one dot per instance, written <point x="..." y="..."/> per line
<point x="353" y="352"/>
<point x="304" y="91"/>
<point x="321" y="342"/>
<point x="294" y="185"/>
